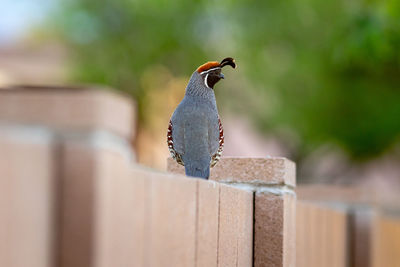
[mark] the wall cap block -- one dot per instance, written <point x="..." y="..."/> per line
<point x="68" y="108"/>
<point x="272" y="171"/>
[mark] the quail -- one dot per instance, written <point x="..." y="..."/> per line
<point x="195" y="135"/>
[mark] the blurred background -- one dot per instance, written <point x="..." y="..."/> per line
<point x="317" y="81"/>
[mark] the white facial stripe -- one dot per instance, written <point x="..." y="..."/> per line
<point x="205" y="81"/>
<point x="206" y="71"/>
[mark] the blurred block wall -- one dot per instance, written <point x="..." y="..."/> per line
<point x="344" y="226"/>
<point x="72" y="195"/>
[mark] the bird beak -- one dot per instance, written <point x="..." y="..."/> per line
<point x="221" y="76"/>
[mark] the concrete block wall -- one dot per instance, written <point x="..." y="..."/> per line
<point x="370" y="230"/>
<point x="272" y="180"/>
<point x="72" y="195"/>
<point x="146" y="218"/>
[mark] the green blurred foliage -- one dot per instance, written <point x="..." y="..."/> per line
<point x="325" y="70"/>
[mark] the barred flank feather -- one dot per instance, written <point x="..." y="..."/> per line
<point x="175" y="155"/>
<point x="215" y="158"/>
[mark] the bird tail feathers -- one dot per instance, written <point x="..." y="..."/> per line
<point x="195" y="171"/>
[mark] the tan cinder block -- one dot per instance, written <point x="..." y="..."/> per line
<point x="321" y="235"/>
<point x="235" y="227"/>
<point x="245" y="228"/>
<point x="120" y="212"/>
<point x="274" y="229"/>
<point x="68" y="108"/>
<point x="258" y="171"/>
<point x="301" y="234"/>
<point x="141" y="215"/>
<point x="361" y="231"/>
<point x="307" y="233"/>
<point x="289" y="230"/>
<point x="172" y="221"/>
<point x="94" y="178"/>
<point x="79" y="177"/>
<point x="207" y="223"/>
<point x="313" y="246"/>
<point x="28" y="188"/>
<point x="386" y="240"/>
<point x="228" y="226"/>
<point x="339" y="221"/>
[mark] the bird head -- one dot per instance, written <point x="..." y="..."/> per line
<point x="211" y="73"/>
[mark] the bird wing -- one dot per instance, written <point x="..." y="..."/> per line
<point x="176" y="148"/>
<point x="217" y="152"/>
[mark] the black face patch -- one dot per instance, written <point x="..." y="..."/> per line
<point x="212" y="77"/>
<point x="212" y="80"/>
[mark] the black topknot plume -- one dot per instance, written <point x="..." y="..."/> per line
<point x="228" y="61"/>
